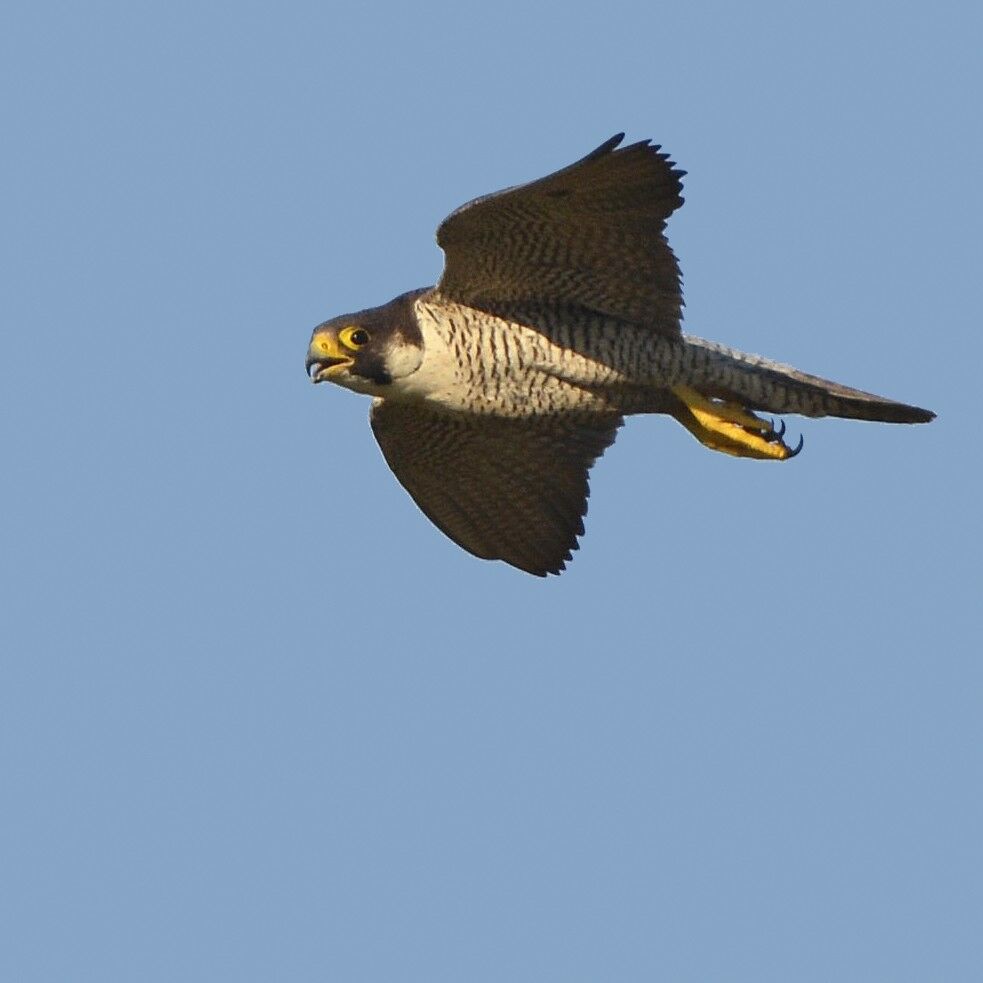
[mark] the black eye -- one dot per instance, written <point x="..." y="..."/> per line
<point x="359" y="337"/>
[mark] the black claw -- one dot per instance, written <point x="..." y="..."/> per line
<point x="774" y="436"/>
<point x="798" y="447"/>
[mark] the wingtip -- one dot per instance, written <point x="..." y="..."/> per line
<point x="606" y="147"/>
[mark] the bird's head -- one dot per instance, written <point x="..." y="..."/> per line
<point x="368" y="350"/>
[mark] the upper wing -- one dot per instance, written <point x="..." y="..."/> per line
<point x="512" y="490"/>
<point x="591" y="235"/>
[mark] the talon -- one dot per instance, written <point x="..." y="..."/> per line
<point x="730" y="428"/>
<point x="797" y="448"/>
<point x="774" y="435"/>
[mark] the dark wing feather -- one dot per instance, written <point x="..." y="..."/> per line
<point x="512" y="490"/>
<point x="589" y="235"/>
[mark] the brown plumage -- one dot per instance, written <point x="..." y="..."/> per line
<point x="505" y="489"/>
<point x="590" y="235"/>
<point x="558" y="313"/>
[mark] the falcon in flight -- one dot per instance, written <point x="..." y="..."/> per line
<point x="557" y="314"/>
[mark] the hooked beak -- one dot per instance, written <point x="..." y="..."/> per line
<point x="326" y="357"/>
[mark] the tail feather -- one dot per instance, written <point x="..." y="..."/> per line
<point x="761" y="384"/>
<point x="842" y="401"/>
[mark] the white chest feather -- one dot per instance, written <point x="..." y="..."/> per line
<point x="478" y="363"/>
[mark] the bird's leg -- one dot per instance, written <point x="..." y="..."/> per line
<point x="730" y="428"/>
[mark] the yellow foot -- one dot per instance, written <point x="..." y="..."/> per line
<point x="729" y="428"/>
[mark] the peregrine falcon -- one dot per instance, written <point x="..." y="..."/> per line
<point x="558" y="313"/>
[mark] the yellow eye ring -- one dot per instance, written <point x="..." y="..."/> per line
<point x="353" y="337"/>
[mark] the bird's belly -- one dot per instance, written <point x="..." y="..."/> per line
<point x="477" y="363"/>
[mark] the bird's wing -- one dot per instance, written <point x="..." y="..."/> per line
<point x="512" y="490"/>
<point x="589" y="235"/>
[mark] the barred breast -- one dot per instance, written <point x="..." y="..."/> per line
<point x="480" y="362"/>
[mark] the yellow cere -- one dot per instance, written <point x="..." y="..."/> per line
<point x="326" y="345"/>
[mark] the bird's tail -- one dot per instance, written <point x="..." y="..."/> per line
<point x="759" y="384"/>
<point x="724" y="387"/>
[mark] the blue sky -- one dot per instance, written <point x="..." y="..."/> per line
<point x="259" y="720"/>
